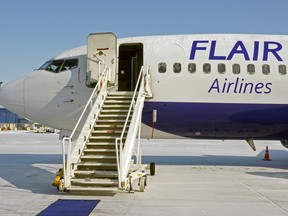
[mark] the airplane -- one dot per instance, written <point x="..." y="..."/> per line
<point x="204" y="86"/>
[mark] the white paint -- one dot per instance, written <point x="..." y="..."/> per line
<point x="58" y="99"/>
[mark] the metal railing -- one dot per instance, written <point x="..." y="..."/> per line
<point x="97" y="98"/>
<point x="124" y="152"/>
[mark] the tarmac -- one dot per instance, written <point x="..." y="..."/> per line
<point x="193" y="177"/>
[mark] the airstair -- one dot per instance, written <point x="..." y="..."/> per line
<point x="98" y="154"/>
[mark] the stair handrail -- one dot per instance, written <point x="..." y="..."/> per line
<point x="101" y="84"/>
<point x="143" y="83"/>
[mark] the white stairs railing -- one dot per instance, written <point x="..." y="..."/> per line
<point x="89" y="117"/>
<point x="100" y="158"/>
<point x="126" y="143"/>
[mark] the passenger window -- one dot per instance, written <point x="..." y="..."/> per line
<point x="266" y="69"/>
<point x="70" y="64"/>
<point x="177" y="67"/>
<point x="206" y="68"/>
<point x="251" y="69"/>
<point x="221" y="68"/>
<point x="162" y="67"/>
<point x="192" y="67"/>
<point x="282" y="69"/>
<point x="236" y="68"/>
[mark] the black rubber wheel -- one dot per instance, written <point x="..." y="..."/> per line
<point x="284" y="143"/>
<point x="60" y="180"/>
<point x="142" y="184"/>
<point x="152" y="169"/>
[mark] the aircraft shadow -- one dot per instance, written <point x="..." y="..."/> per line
<point x="279" y="161"/>
<point x="23" y="172"/>
<point x="281" y="175"/>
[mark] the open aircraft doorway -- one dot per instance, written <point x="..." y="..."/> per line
<point x="130" y="63"/>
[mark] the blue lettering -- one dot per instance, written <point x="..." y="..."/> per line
<point x="269" y="49"/>
<point x="215" y="86"/>
<point x="212" y="52"/>
<point x="242" y="51"/>
<point x="247" y="85"/>
<point x="236" y="85"/>
<point x="195" y="47"/>
<point x="268" y="88"/>
<point x="224" y="86"/>
<point x="273" y="51"/>
<point x="229" y="85"/>
<point x="256" y="50"/>
<point x="240" y="87"/>
<point x="258" y="87"/>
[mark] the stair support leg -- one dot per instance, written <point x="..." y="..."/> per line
<point x="138" y="156"/>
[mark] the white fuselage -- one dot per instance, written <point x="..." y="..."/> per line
<point x="210" y="86"/>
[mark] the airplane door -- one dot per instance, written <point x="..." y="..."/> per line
<point x="129" y="65"/>
<point x="101" y="47"/>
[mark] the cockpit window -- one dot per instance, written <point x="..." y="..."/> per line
<point x="55" y="66"/>
<point x="59" y="65"/>
<point x="69" y="64"/>
<point x="45" y="65"/>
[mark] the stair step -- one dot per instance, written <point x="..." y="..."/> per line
<point x="108" y="115"/>
<point x="114" y="111"/>
<point x="94" y="149"/>
<point x="103" y="144"/>
<point x="95" y="182"/>
<point x="115" y="123"/>
<point x="100" y="150"/>
<point x="111" y="121"/>
<point x="118" y="102"/>
<point x="119" y="97"/>
<point x="89" y="166"/>
<point x="92" y="189"/>
<point x="97" y="173"/>
<point x="116" y="106"/>
<point x="102" y="140"/>
<point x="108" y="129"/>
<point x="109" y="126"/>
<point x="108" y="136"/>
<point x="117" y="93"/>
<point x="102" y="157"/>
<point x="108" y="132"/>
<point x="97" y="164"/>
<point x="113" y="117"/>
<point x="92" y="168"/>
<point x="99" y="138"/>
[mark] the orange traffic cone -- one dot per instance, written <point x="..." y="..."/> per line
<point x="266" y="156"/>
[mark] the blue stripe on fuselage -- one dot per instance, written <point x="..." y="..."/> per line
<point x="219" y="120"/>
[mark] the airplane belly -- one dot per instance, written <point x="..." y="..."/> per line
<point x="219" y="120"/>
<point x="179" y="119"/>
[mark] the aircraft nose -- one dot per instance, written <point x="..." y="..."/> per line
<point x="12" y="96"/>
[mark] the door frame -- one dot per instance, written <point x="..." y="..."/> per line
<point x="130" y="61"/>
